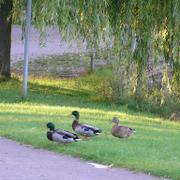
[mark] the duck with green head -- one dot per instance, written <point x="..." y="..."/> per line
<point x="83" y="129"/>
<point x="60" y="135"/>
<point x="121" y="131"/>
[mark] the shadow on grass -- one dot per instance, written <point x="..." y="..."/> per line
<point x="29" y="115"/>
<point x="11" y="92"/>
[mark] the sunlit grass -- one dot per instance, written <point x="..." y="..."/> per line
<point x="154" y="149"/>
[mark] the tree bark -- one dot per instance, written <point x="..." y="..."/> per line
<point x="170" y="58"/>
<point x="139" y="80"/>
<point x="92" y="62"/>
<point x="5" y="37"/>
<point x="149" y="71"/>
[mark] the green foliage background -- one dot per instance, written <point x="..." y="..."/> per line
<point x="130" y="30"/>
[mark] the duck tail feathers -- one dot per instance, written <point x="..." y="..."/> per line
<point x="98" y="132"/>
<point x="76" y="140"/>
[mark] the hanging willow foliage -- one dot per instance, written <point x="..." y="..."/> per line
<point x="130" y="27"/>
<point x="100" y="20"/>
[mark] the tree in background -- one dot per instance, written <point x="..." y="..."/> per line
<point x="144" y="37"/>
<point x="75" y="19"/>
<point x="5" y="37"/>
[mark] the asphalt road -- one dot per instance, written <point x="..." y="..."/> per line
<point x="21" y="162"/>
<point x="51" y="45"/>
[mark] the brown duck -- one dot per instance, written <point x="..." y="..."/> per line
<point x="121" y="131"/>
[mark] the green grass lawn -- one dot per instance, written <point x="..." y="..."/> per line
<point x="155" y="148"/>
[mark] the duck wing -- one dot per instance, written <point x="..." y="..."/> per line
<point x="61" y="137"/>
<point x="62" y="132"/>
<point x="88" y="127"/>
<point x="122" y="131"/>
<point x="128" y="129"/>
<point x="83" y="130"/>
<point x="70" y="134"/>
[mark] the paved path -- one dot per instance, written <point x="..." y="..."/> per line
<point x="54" y="44"/>
<point x="20" y="162"/>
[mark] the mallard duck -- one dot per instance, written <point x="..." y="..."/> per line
<point x="121" y="131"/>
<point x="83" y="129"/>
<point x="60" y="135"/>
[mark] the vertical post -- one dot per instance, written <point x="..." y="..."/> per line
<point x="92" y="61"/>
<point x="26" y="48"/>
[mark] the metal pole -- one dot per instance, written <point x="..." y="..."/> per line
<point x="26" y="48"/>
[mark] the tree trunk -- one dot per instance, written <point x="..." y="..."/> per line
<point x="139" y="80"/>
<point x="5" y="37"/>
<point x="170" y="59"/>
<point x="149" y="71"/>
<point x="92" y="62"/>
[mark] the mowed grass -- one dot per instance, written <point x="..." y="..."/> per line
<point x="154" y="149"/>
